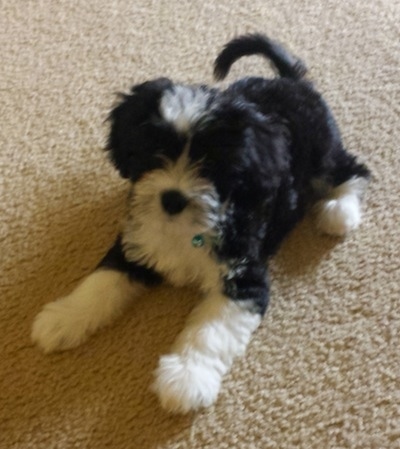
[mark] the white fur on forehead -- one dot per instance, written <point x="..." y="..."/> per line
<point x="183" y="106"/>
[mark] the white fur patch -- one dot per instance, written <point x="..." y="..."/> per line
<point x="217" y="331"/>
<point x="164" y="242"/>
<point x="340" y="212"/>
<point x="183" y="106"/>
<point x="67" y="322"/>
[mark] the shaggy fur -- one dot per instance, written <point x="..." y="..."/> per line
<point x="219" y="178"/>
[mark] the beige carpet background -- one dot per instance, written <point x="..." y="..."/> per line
<point x="323" y="370"/>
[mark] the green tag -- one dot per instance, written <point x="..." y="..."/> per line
<point x="198" y="241"/>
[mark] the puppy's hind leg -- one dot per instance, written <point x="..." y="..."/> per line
<point x="339" y="210"/>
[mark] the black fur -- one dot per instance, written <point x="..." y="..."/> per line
<point x="263" y="144"/>
<point x="285" y="63"/>
<point x="116" y="260"/>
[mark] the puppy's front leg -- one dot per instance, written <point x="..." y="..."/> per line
<point x="217" y="331"/>
<point x="95" y="302"/>
<point x="99" y="299"/>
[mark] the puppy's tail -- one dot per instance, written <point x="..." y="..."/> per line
<point x="287" y="65"/>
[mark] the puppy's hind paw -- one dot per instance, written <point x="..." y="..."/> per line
<point x="339" y="216"/>
<point x="185" y="383"/>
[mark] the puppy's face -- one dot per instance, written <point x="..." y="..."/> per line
<point x="183" y="148"/>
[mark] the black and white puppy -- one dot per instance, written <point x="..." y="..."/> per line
<point x="218" y="179"/>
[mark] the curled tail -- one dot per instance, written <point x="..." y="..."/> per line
<point x="288" y="66"/>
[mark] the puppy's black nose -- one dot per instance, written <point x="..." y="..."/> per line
<point x="173" y="201"/>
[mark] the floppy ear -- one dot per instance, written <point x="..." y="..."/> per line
<point x="133" y="111"/>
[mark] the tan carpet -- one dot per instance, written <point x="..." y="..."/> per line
<point x="323" y="370"/>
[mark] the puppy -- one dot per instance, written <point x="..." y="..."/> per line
<point x="218" y="178"/>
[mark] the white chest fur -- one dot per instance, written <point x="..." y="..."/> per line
<point x="168" y="249"/>
<point x="162" y="241"/>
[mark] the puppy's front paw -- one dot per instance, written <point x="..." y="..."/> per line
<point x="58" y="327"/>
<point x="187" y="382"/>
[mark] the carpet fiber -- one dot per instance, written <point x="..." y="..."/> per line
<point x="323" y="369"/>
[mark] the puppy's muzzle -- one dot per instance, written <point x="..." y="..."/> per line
<point x="173" y="202"/>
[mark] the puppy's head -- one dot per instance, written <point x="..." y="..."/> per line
<point x="157" y="119"/>
<point x="184" y="148"/>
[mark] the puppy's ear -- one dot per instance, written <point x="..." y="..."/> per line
<point x="133" y="111"/>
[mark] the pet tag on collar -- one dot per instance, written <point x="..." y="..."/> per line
<point x="198" y="241"/>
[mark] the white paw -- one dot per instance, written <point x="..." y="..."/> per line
<point x="339" y="216"/>
<point x="188" y="382"/>
<point x="59" y="326"/>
